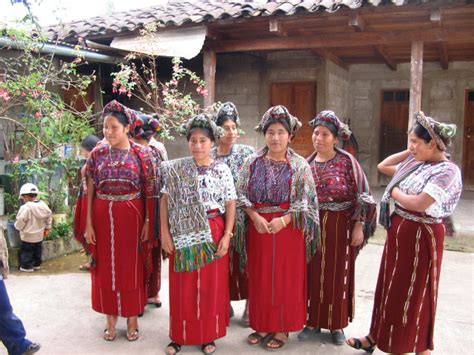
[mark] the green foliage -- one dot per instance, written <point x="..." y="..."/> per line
<point x="60" y="230"/>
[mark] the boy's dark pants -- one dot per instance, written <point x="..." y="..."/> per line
<point x="30" y="254"/>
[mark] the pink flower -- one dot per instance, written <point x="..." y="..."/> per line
<point x="198" y="89"/>
<point x="4" y="95"/>
<point x="122" y="90"/>
<point x="204" y="92"/>
<point x="195" y="81"/>
<point x="35" y="94"/>
<point x="129" y="94"/>
<point x="38" y="115"/>
<point x="174" y="82"/>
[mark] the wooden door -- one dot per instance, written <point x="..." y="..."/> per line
<point x="394" y="125"/>
<point x="468" y="146"/>
<point x="300" y="99"/>
<point x="78" y="102"/>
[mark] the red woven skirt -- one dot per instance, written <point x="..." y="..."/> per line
<point x="331" y="273"/>
<point x="118" y="277"/>
<point x="199" y="300"/>
<point x="407" y="287"/>
<point x="277" y="278"/>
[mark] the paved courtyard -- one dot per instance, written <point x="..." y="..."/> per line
<point x="56" y="311"/>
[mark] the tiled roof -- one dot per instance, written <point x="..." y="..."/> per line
<point x="177" y="13"/>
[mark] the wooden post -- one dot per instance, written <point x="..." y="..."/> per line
<point x="416" y="79"/>
<point x="209" y="64"/>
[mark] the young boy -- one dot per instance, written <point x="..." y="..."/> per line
<point x="33" y="220"/>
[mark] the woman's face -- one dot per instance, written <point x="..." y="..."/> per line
<point x="419" y="148"/>
<point x="231" y="132"/>
<point x="277" y="138"/>
<point x="323" y="140"/>
<point x="114" y="131"/>
<point x="200" y="145"/>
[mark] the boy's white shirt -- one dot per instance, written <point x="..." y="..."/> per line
<point x="32" y="219"/>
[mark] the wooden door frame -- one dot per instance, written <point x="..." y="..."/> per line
<point x="380" y="117"/>
<point x="315" y="82"/>
<point x="464" y="153"/>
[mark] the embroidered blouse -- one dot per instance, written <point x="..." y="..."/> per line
<point x="119" y="172"/>
<point x="270" y="181"/>
<point x="441" y="180"/>
<point x="235" y="159"/>
<point x="334" y="180"/>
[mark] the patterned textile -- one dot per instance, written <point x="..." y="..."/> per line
<point x="279" y="113"/>
<point x="115" y="106"/>
<point x="119" y="172"/>
<point x="228" y="110"/>
<point x="445" y="130"/>
<point x="235" y="159"/>
<point x="161" y="148"/>
<point x="270" y="182"/>
<point x="442" y="181"/>
<point x="192" y="191"/>
<point x="330" y="117"/>
<point x="202" y="120"/>
<point x="303" y="197"/>
<point x="365" y="206"/>
<point x="146" y="126"/>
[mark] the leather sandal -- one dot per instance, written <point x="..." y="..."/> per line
<point x="175" y="346"/>
<point x="338" y="337"/>
<point x="280" y="343"/>
<point x="108" y="334"/>
<point x="307" y="333"/>
<point x="357" y="344"/>
<point x="260" y="340"/>
<point x="205" y="346"/>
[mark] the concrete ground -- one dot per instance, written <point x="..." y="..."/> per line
<point x="56" y="311"/>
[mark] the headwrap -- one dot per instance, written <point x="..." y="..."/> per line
<point x="202" y="120"/>
<point x="146" y="126"/>
<point x="327" y="116"/>
<point x="115" y="106"/>
<point x="445" y="130"/>
<point x="279" y="112"/>
<point x="228" y="111"/>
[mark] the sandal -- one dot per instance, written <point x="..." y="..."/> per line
<point x="133" y="335"/>
<point x="85" y="267"/>
<point x="108" y="333"/>
<point x="338" y="337"/>
<point x="279" y="342"/>
<point x="357" y="344"/>
<point x="204" y="346"/>
<point x="260" y="340"/>
<point x="307" y="333"/>
<point x="175" y="346"/>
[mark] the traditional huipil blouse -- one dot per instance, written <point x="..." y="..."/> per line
<point x="301" y="194"/>
<point x="193" y="191"/>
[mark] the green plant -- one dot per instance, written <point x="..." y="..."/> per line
<point x="60" y="230"/>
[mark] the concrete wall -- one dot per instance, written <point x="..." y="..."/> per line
<point x="443" y="98"/>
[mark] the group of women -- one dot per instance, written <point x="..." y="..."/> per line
<point x="271" y="227"/>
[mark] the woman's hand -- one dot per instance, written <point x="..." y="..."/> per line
<point x="145" y="231"/>
<point x="357" y="236"/>
<point x="275" y="225"/>
<point x="90" y="234"/>
<point x="167" y="244"/>
<point x="395" y="192"/>
<point x="223" y="247"/>
<point x="261" y="224"/>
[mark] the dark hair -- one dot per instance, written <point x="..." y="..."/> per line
<point x="422" y="133"/>
<point x="120" y="116"/>
<point x="331" y="126"/>
<point x="206" y="130"/>
<point x="223" y="118"/>
<point x="90" y="142"/>
<point x="285" y="123"/>
<point x="30" y="195"/>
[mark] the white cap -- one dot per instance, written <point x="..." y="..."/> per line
<point x="29" y="189"/>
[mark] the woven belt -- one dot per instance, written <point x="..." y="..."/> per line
<point x="336" y="206"/>
<point x="270" y="209"/>
<point x="126" y="197"/>
<point x="415" y="218"/>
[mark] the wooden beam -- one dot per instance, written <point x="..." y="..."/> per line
<point x="357" y="39"/>
<point x="443" y="55"/>
<point x="386" y="57"/>
<point x="275" y="26"/>
<point x="209" y="64"/>
<point x="328" y="55"/>
<point x="357" y="22"/>
<point x="416" y="80"/>
<point x="435" y="17"/>
<point x="212" y="33"/>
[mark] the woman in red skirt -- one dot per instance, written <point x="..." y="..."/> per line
<point x="197" y="218"/>
<point x="426" y="187"/>
<point x="234" y="155"/>
<point x="120" y="179"/>
<point x="145" y="130"/>
<point x="348" y="218"/>
<point x="277" y="190"/>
